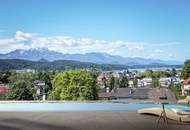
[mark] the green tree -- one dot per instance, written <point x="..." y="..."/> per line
<point x="155" y="83"/>
<point x="148" y="73"/>
<point x="20" y="90"/>
<point x="111" y="83"/>
<point x="74" y="85"/>
<point x="4" y="76"/>
<point x="135" y="82"/>
<point x="29" y="77"/>
<point x="185" y="73"/>
<point x="124" y="82"/>
<point x="176" y="89"/>
<point x="173" y="72"/>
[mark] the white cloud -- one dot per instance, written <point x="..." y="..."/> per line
<point x="163" y="44"/>
<point x="21" y="36"/>
<point x="159" y="51"/>
<point x="65" y="44"/>
<point x="136" y="47"/>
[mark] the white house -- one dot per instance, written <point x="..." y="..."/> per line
<point x="147" y="82"/>
<point x="165" y="82"/>
<point x="139" y="83"/>
<point x="131" y="84"/>
<point x="175" y="80"/>
<point x="186" y="86"/>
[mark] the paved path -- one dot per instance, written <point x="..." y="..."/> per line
<point x="83" y="121"/>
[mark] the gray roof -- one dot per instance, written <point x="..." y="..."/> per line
<point x="156" y="93"/>
<point x="119" y="93"/>
<point x="141" y="93"/>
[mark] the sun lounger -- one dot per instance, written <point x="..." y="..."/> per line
<point x="174" y="114"/>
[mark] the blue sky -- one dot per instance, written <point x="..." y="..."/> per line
<point x="158" y="29"/>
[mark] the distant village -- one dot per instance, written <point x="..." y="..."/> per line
<point x="127" y="84"/>
<point x="141" y="87"/>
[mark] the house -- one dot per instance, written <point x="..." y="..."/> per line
<point x="145" y="82"/>
<point x="165" y="82"/>
<point x="131" y="83"/>
<point x="155" y="94"/>
<point x="117" y="74"/>
<point x="3" y="89"/>
<point x="101" y="78"/>
<point x="140" y="93"/>
<point x="120" y="93"/>
<point x="26" y="71"/>
<point x="139" y="83"/>
<point x="39" y="84"/>
<point x="186" y="86"/>
<point x="175" y="80"/>
<point x="105" y="96"/>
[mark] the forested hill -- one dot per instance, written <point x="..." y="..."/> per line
<point x="17" y="64"/>
<point x="43" y="65"/>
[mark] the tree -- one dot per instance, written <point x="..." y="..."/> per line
<point x="155" y="83"/>
<point x="185" y="73"/>
<point x="20" y="90"/>
<point x="176" y="89"/>
<point x="29" y="77"/>
<point x="111" y="83"/>
<point x="173" y="72"/>
<point x="148" y="73"/>
<point x="135" y="82"/>
<point x="4" y="76"/>
<point x="74" y="85"/>
<point x="123" y="82"/>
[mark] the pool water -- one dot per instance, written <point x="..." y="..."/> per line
<point x="74" y="106"/>
<point x="27" y="107"/>
<point x="178" y="107"/>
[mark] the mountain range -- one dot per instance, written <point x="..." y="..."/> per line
<point x="95" y="57"/>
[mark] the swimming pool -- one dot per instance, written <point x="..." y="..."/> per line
<point x="178" y="107"/>
<point x="58" y="107"/>
<point x="74" y="106"/>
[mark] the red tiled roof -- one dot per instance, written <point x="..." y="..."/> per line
<point x="187" y="81"/>
<point x="3" y="89"/>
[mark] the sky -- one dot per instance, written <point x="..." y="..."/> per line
<point x="157" y="29"/>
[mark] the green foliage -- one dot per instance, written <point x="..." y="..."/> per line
<point x="176" y="89"/>
<point x="13" y="64"/>
<point x="74" y="85"/>
<point x="4" y="76"/>
<point x="185" y="73"/>
<point x="24" y="82"/>
<point x="180" y="96"/>
<point x="30" y="77"/>
<point x="46" y="77"/>
<point x="135" y="82"/>
<point x="155" y="83"/>
<point x="123" y="82"/>
<point x="173" y="72"/>
<point x="20" y="90"/>
<point x="156" y="74"/>
<point x="111" y="82"/>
